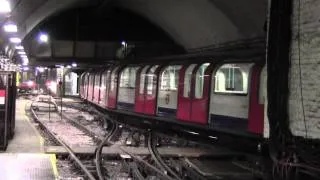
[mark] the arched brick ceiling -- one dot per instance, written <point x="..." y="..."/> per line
<point x="191" y="23"/>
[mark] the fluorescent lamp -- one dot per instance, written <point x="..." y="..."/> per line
<point x="11" y="28"/>
<point x="19" y="47"/>
<point x="21" y="52"/>
<point x="15" y="40"/>
<point x="4" y="6"/>
<point x="23" y="56"/>
<point x="74" y="64"/>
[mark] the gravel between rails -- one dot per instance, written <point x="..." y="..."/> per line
<point x="60" y="127"/>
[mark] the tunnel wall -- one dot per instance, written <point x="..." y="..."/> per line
<point x="304" y="78"/>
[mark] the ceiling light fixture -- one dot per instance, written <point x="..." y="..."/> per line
<point x="5" y="6"/>
<point x="43" y="38"/>
<point x="15" y="40"/>
<point x="21" y="52"/>
<point x="10" y="28"/>
<point x="19" y="47"/>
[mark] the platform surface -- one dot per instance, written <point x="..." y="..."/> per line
<point x="26" y="139"/>
<point x="27" y="166"/>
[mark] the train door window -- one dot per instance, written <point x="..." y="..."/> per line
<point x="150" y="79"/>
<point x="91" y="80"/>
<point x="97" y="80"/>
<point x="232" y="78"/>
<point x="113" y="79"/>
<point x="103" y="81"/>
<point x="170" y="78"/>
<point x="187" y="80"/>
<point x="142" y="79"/>
<point x="200" y="80"/>
<point x="263" y="85"/>
<point x="128" y="77"/>
<point x="3" y="81"/>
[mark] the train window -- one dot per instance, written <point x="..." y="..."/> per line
<point x="97" y="80"/>
<point x="113" y="79"/>
<point x="150" y="77"/>
<point x="142" y="79"/>
<point x="200" y="80"/>
<point x="91" y="80"/>
<point x="103" y="81"/>
<point x="170" y="78"/>
<point x="3" y="81"/>
<point x="187" y="80"/>
<point x="263" y="85"/>
<point x="232" y="78"/>
<point x="128" y="77"/>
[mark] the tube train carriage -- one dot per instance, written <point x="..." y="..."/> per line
<point x="222" y="96"/>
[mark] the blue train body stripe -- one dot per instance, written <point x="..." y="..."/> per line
<point x="166" y="112"/>
<point x="125" y="106"/>
<point x="229" y="122"/>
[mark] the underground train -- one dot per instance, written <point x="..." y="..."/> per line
<point x="225" y="95"/>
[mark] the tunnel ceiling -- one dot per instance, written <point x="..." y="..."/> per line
<point x="191" y="24"/>
<point x="115" y="24"/>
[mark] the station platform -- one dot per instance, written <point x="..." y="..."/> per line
<point x="24" y="158"/>
<point x="26" y="139"/>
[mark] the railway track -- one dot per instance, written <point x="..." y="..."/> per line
<point x="227" y="166"/>
<point x="127" y="163"/>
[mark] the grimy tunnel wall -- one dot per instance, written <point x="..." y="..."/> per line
<point x="304" y="77"/>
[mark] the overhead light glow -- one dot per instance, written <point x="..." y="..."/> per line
<point x="19" y="47"/>
<point x="43" y="38"/>
<point x="25" y="61"/>
<point x="23" y="56"/>
<point x="21" y="52"/>
<point x="74" y="64"/>
<point x="68" y="66"/>
<point x="15" y="40"/>
<point x="11" y="28"/>
<point x="40" y="69"/>
<point x="4" y="6"/>
<point x="123" y="43"/>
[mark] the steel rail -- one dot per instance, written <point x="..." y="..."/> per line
<point x="157" y="157"/>
<point x="71" y="153"/>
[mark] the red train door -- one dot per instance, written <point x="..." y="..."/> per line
<point x="184" y="92"/>
<point x="140" y="90"/>
<point x="112" y="95"/>
<point x="151" y="90"/>
<point x="105" y="87"/>
<point x="256" y="108"/>
<point x="194" y="93"/>
<point x="200" y="98"/>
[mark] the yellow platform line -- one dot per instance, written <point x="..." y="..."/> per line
<point x="53" y="161"/>
<point x="53" y="158"/>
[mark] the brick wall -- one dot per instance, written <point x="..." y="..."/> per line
<point x="309" y="48"/>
